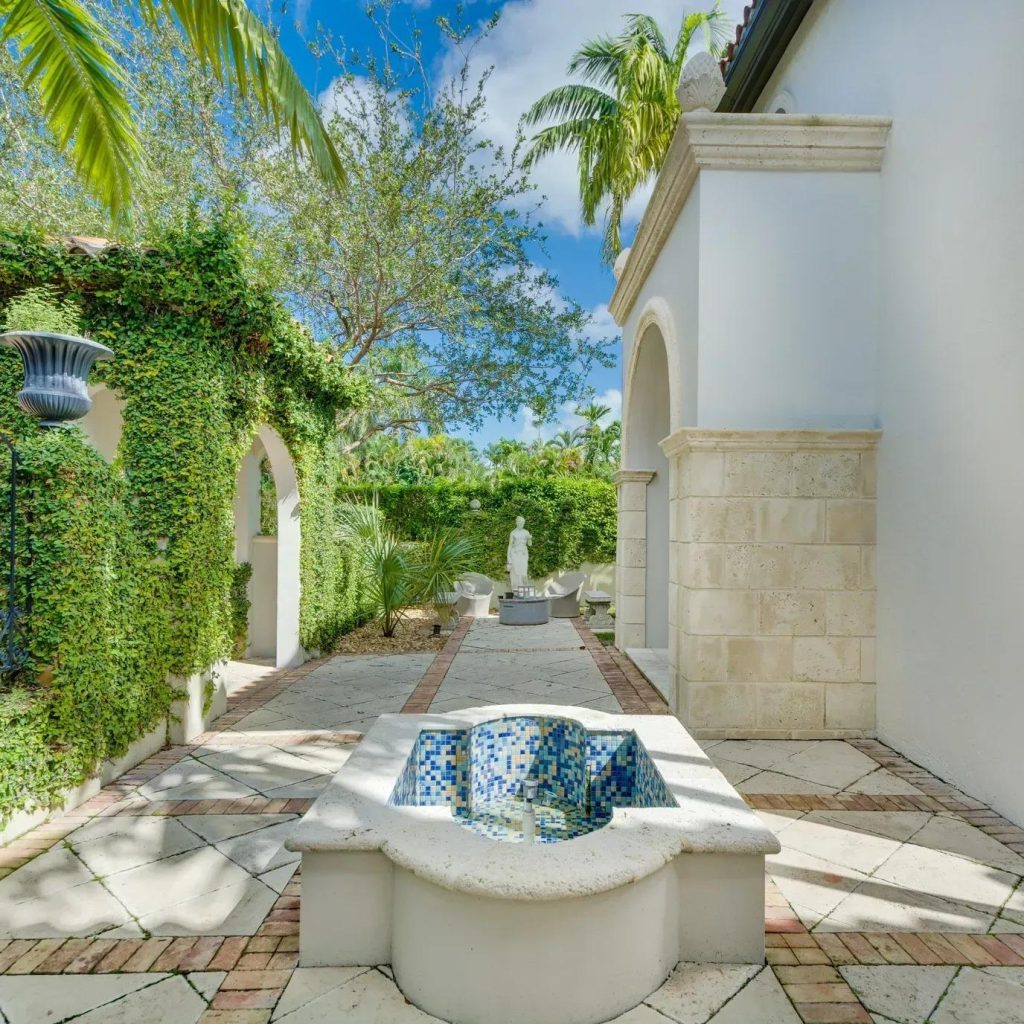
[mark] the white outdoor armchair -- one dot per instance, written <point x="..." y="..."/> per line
<point x="564" y="592"/>
<point x="475" y="593"/>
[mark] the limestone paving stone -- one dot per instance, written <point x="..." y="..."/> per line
<point x="877" y="905"/>
<point x="193" y="780"/>
<point x="238" y="908"/>
<point x="81" y="910"/>
<point x="907" y="995"/>
<point x="861" y="851"/>
<point x="368" y="998"/>
<point x="949" y="877"/>
<point x="215" y="828"/>
<point x="172" y="1001"/>
<point x="23" y="998"/>
<point x="693" y="993"/>
<point x="138" y="841"/>
<point x="978" y="997"/>
<point x="262" y="850"/>
<point x="172" y="881"/>
<point x="310" y="983"/>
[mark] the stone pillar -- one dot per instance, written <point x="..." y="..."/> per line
<point x="631" y="557"/>
<point x="773" y="563"/>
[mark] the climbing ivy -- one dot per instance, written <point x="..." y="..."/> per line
<point x="240" y="605"/>
<point x="204" y="356"/>
<point x="572" y="519"/>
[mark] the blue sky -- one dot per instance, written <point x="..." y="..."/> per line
<point x="529" y="51"/>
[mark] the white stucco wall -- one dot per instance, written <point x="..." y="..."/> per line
<point x="674" y="280"/>
<point x="951" y="366"/>
<point x="788" y="313"/>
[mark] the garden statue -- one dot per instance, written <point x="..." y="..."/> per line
<point x="519" y="541"/>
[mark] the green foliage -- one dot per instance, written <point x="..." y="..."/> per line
<point x="70" y="59"/>
<point x="621" y="118"/>
<point x="42" y="309"/>
<point x="388" y="459"/>
<point x="397" y="573"/>
<point x="589" y="450"/>
<point x="240" y="603"/>
<point x="572" y="519"/>
<point x="98" y="638"/>
<point x="268" y="501"/>
<point x="423" y="274"/>
<point x="203" y="357"/>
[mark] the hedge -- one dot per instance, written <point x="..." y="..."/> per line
<point x="204" y="356"/>
<point x="572" y="519"/>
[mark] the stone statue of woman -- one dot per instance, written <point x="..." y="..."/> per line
<point x="519" y="541"/>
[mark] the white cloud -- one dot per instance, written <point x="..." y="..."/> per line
<point x="602" y="326"/>
<point x="531" y="430"/>
<point x="530" y="50"/>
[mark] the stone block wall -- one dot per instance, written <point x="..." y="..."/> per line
<point x="631" y="558"/>
<point x="772" y="594"/>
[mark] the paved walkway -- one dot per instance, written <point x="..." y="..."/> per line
<point x="169" y="897"/>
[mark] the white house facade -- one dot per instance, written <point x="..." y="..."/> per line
<point x="821" y="502"/>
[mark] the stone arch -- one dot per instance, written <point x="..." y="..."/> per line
<point x="103" y="424"/>
<point x="651" y="411"/>
<point x="656" y="313"/>
<point x="274" y="588"/>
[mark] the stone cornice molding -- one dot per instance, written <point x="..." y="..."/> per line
<point x="634" y="476"/>
<point x="748" y="142"/>
<point x="696" y="439"/>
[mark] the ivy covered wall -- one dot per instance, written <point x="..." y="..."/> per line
<point x="204" y="356"/>
<point x="572" y="519"/>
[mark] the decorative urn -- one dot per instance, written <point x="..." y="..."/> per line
<point x="56" y="374"/>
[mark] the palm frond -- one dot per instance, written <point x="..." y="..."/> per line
<point x="570" y="135"/>
<point x="643" y="26"/>
<point x="65" y="53"/>
<point x="240" y="48"/>
<point x="598" y="60"/>
<point x="713" y="24"/>
<point x="572" y="102"/>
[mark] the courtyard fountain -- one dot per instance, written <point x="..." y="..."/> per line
<point x="585" y="851"/>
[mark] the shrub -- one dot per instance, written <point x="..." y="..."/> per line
<point x="572" y="519"/>
<point x="204" y="357"/>
<point x="398" y="574"/>
<point x="42" y="309"/>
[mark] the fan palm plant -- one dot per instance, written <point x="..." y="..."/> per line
<point x="70" y="58"/>
<point x="620" y="119"/>
<point x="394" y="574"/>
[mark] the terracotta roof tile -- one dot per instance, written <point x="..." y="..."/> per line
<point x="749" y="11"/>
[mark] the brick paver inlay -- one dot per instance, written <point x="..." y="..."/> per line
<point x="169" y="896"/>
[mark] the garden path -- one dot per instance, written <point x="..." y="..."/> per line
<point x="170" y="898"/>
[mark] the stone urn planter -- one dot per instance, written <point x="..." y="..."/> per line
<point x="56" y="374"/>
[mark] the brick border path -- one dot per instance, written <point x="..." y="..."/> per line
<point x="630" y="686"/>
<point x="259" y="966"/>
<point x="426" y="689"/>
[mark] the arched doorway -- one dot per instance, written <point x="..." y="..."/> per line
<point x="647" y="421"/>
<point x="267" y="536"/>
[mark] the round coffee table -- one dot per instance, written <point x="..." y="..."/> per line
<point x="524" y="611"/>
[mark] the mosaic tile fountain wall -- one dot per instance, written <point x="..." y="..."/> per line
<point x="582" y="776"/>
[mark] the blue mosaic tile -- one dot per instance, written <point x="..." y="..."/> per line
<point x="581" y="776"/>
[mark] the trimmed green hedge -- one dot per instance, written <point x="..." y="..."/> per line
<point x="204" y="356"/>
<point x="572" y="519"/>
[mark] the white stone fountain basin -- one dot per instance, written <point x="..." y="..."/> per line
<point x="489" y="932"/>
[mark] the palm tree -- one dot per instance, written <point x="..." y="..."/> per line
<point x="68" y="56"/>
<point x="621" y="119"/>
